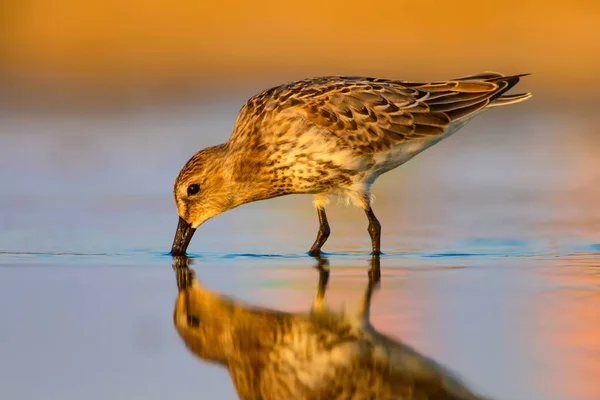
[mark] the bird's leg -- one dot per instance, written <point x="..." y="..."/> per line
<point x="323" y="233"/>
<point x="374" y="231"/>
<point x="374" y="279"/>
<point x="375" y="270"/>
<point x="323" y="268"/>
<point x="362" y="310"/>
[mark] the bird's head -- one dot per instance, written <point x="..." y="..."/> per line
<point x="201" y="192"/>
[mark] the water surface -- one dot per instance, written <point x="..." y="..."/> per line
<point x="491" y="265"/>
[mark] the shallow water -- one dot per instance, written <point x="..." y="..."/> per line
<point x="491" y="265"/>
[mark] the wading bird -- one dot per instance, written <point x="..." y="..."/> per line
<point x="327" y="136"/>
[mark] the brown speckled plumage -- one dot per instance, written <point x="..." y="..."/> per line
<point x="324" y="354"/>
<point x="330" y="136"/>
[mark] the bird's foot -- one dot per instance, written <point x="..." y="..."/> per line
<point x="315" y="252"/>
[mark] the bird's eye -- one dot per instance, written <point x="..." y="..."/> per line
<point x="193" y="189"/>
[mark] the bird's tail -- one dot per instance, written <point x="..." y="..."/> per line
<point x="495" y="77"/>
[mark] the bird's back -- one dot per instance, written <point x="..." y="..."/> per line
<point x="359" y="125"/>
<point x="371" y="114"/>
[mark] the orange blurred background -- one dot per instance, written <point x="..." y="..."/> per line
<point x="142" y="49"/>
<point x="117" y="55"/>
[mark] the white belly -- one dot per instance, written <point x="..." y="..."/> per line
<point x="401" y="153"/>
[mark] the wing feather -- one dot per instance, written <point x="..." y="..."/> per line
<point x="379" y="112"/>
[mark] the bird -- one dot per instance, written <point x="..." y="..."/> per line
<point x="328" y="136"/>
<point x="319" y="354"/>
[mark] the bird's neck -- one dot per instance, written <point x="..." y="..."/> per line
<point x="248" y="175"/>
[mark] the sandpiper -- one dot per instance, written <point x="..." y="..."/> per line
<point x="323" y="354"/>
<point x="332" y="135"/>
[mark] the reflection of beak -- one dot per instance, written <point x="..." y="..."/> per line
<point x="183" y="235"/>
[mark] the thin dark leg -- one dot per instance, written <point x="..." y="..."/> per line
<point x="323" y="267"/>
<point x="374" y="231"/>
<point x="374" y="280"/>
<point x="375" y="270"/>
<point x="322" y="235"/>
<point x="319" y="304"/>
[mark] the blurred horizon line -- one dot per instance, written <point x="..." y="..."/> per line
<point x="56" y="95"/>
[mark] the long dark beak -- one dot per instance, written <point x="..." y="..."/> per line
<point x="183" y="235"/>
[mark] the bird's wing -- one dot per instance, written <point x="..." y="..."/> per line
<point x="373" y="114"/>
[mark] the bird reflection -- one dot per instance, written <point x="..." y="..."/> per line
<point x="321" y="354"/>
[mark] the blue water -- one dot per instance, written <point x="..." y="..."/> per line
<point x="491" y="264"/>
